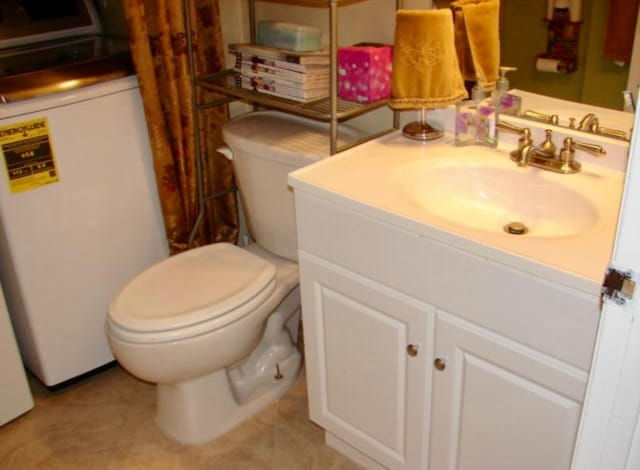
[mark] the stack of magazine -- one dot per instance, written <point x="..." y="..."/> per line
<point x="298" y="76"/>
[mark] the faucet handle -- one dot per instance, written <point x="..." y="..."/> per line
<point x="548" y="118"/>
<point x="569" y="146"/>
<point x="525" y="133"/>
<point x="567" y="152"/>
<point x="507" y="126"/>
<point x="593" y="149"/>
<point x="614" y="133"/>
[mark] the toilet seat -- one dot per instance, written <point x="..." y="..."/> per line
<point x="191" y="293"/>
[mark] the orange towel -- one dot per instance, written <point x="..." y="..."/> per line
<point x="425" y="67"/>
<point x="481" y="28"/>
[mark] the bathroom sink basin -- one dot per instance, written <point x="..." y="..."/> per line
<point x="464" y="196"/>
<point x="489" y="196"/>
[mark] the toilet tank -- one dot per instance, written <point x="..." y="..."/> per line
<point x="266" y="146"/>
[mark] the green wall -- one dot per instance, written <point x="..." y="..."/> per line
<point x="524" y="35"/>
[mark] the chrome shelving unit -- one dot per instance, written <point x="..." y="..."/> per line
<point x="332" y="110"/>
<point x="320" y="110"/>
<point x="225" y="83"/>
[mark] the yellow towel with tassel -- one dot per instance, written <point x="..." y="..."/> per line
<point x="481" y="28"/>
<point x="425" y="67"/>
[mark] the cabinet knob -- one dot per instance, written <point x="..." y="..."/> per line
<point x="440" y="363"/>
<point x="412" y="350"/>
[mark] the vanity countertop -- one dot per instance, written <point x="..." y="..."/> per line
<point x="385" y="179"/>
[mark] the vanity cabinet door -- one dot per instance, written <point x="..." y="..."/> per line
<point x="367" y="349"/>
<point x="498" y="405"/>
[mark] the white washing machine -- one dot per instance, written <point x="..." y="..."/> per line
<point x="79" y="211"/>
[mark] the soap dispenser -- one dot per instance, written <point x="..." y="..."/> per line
<point x="476" y="120"/>
<point x="505" y="102"/>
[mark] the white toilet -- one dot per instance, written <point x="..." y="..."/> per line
<point x="213" y="326"/>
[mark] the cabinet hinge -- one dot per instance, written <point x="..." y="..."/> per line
<point x="618" y="286"/>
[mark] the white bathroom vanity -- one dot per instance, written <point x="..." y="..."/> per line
<point x="433" y="338"/>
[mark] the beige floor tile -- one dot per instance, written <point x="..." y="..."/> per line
<point x="299" y="442"/>
<point x="112" y="386"/>
<point x="58" y="436"/>
<point x="105" y="422"/>
<point x="141" y="445"/>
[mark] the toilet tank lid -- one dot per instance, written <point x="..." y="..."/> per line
<point x="283" y="137"/>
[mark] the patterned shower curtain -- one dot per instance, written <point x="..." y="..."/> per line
<point x="158" y="47"/>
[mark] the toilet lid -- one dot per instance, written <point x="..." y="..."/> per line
<point x="192" y="287"/>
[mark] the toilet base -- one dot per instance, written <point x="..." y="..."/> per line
<point x="251" y="376"/>
<point x="198" y="411"/>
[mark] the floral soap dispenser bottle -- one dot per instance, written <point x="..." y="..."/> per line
<point x="476" y="120"/>
<point x="505" y="102"/>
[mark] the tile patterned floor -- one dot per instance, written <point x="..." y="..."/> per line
<point x="106" y="422"/>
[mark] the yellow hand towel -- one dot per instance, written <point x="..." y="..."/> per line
<point x="481" y="25"/>
<point x="425" y="67"/>
<point x="463" y="49"/>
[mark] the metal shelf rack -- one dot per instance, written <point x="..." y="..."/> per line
<point x="332" y="110"/>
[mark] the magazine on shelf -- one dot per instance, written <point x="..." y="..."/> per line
<point x="275" y="84"/>
<point x="283" y="91"/>
<point x="281" y="64"/>
<point x="304" y="79"/>
<point x="270" y="67"/>
<point x="282" y="55"/>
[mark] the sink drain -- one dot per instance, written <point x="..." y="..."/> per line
<point x="515" y="228"/>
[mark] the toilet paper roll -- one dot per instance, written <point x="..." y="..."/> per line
<point x="544" y="64"/>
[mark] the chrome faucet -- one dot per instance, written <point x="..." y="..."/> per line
<point x="589" y="123"/>
<point x="525" y="143"/>
<point x="524" y="156"/>
<point x="525" y="146"/>
<point x="544" y="155"/>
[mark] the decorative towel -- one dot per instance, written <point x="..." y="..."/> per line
<point x="481" y="25"/>
<point x="620" y="30"/>
<point x="463" y="49"/>
<point x="425" y="67"/>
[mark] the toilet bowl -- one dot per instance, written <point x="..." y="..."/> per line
<point x="209" y="365"/>
<point x="215" y="327"/>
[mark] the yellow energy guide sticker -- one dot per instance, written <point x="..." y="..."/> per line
<point x="28" y="155"/>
